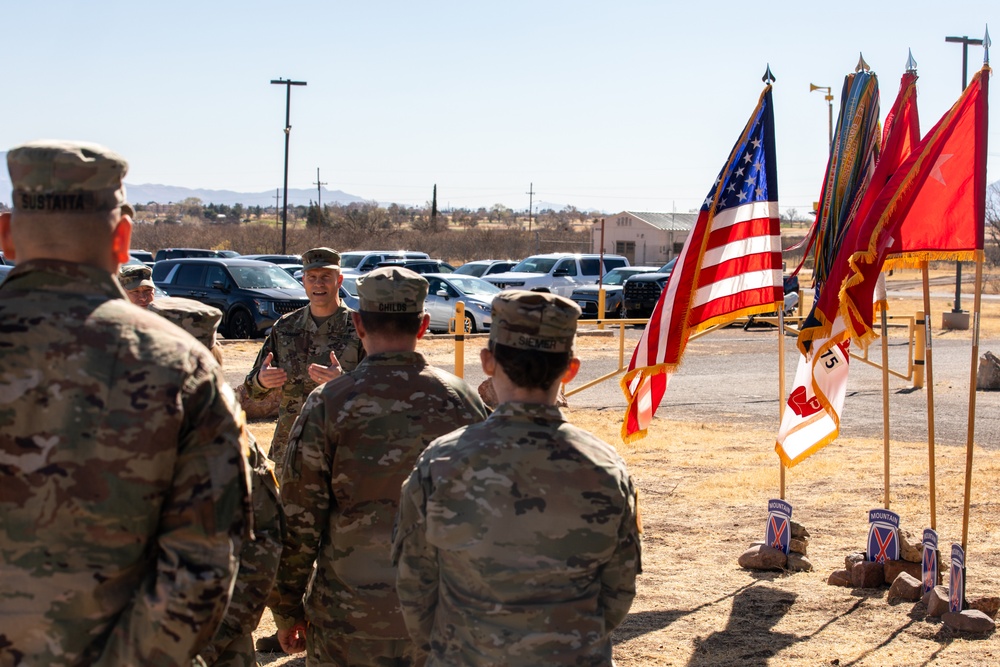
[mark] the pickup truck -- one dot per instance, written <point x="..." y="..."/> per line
<point x="559" y="273"/>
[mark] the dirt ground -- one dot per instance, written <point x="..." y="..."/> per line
<point x="704" y="489"/>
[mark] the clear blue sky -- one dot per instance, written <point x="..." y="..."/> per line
<point x="606" y="105"/>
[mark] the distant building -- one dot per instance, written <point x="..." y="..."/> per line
<point x="644" y="237"/>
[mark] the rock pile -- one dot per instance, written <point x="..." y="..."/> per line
<point x="763" y="557"/>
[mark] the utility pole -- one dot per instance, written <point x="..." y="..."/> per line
<point x="964" y="41"/>
<point x="531" y="197"/>
<point x="319" y="206"/>
<point x="277" y="198"/>
<point x="287" y="83"/>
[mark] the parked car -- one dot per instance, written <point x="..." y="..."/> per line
<point x="276" y="259"/>
<point x="178" y="253"/>
<point x="640" y="293"/>
<point x="250" y="294"/>
<point x="421" y="265"/>
<point x="447" y="289"/>
<point x="349" y="292"/>
<point x="790" y="287"/>
<point x="485" y="267"/>
<point x="586" y="297"/>
<point x="559" y="272"/>
<point x="363" y="261"/>
<point x="228" y="253"/>
<point x="143" y="256"/>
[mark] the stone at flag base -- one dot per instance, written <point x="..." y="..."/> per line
<point x="969" y="620"/>
<point x="905" y="588"/>
<point x="988" y="377"/>
<point x="764" y="558"/>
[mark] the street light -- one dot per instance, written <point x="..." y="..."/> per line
<point x="287" y="83"/>
<point x="829" y="98"/>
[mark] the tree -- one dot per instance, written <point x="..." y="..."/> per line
<point x="993" y="222"/>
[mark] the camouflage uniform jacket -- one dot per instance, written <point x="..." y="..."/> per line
<point x="123" y="488"/>
<point x="297" y="342"/>
<point x="349" y="452"/>
<point x="517" y="543"/>
<point x="259" y="560"/>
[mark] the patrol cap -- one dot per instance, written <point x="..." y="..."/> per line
<point x="198" y="319"/>
<point x="392" y="289"/>
<point x="128" y="210"/>
<point x="534" y="321"/>
<point x="320" y="258"/>
<point x="66" y="177"/>
<point x="134" y="276"/>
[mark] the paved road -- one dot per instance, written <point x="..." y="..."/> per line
<point x="731" y="376"/>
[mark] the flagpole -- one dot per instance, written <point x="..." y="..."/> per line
<point x="781" y="392"/>
<point x="972" y="401"/>
<point x="929" y="374"/>
<point x="885" y="402"/>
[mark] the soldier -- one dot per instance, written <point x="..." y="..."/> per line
<point x="307" y="347"/>
<point x="124" y="485"/>
<point x="232" y="645"/>
<point x="518" y="540"/>
<point x="137" y="281"/>
<point x="349" y="452"/>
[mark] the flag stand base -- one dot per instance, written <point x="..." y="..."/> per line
<point x="957" y="321"/>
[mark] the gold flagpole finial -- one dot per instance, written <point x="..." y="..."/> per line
<point x="862" y="65"/>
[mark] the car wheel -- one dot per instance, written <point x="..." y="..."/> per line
<point x="470" y="325"/>
<point x="241" y="325"/>
<point x="622" y="313"/>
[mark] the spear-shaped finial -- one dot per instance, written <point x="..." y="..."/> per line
<point x="911" y="64"/>
<point x="768" y="77"/>
<point x="986" y="46"/>
<point x="862" y="65"/>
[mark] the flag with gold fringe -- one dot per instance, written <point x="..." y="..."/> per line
<point x="936" y="203"/>
<point x="729" y="267"/>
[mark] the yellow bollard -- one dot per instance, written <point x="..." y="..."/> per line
<point x="458" y="327"/>
<point x="918" y="352"/>
<point x="601" y="294"/>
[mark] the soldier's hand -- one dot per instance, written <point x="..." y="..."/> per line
<point x="293" y="640"/>
<point x="321" y="374"/>
<point x="270" y="377"/>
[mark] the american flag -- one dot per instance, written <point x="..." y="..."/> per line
<point x="730" y="267"/>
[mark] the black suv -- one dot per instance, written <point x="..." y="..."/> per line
<point x="420" y="265"/>
<point x="250" y="294"/>
<point x="641" y="292"/>
<point x="178" y="253"/>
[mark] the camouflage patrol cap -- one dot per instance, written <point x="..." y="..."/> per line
<point x="392" y="289"/>
<point x="534" y="321"/>
<point x="66" y="177"/>
<point x="198" y="319"/>
<point x="320" y="258"/>
<point x="134" y="276"/>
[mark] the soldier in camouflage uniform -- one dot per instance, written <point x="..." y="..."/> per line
<point x="518" y="540"/>
<point x="349" y="452"/>
<point x="307" y="347"/>
<point x="232" y="645"/>
<point x="124" y="489"/>
<point x="137" y="281"/>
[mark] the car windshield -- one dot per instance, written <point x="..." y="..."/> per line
<point x="351" y="260"/>
<point x="535" y="265"/>
<point x="473" y="286"/>
<point x="471" y="269"/>
<point x="616" y="277"/>
<point x="351" y="285"/>
<point x="263" y="277"/>
<point x="668" y="267"/>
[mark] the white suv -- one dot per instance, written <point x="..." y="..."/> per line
<point x="559" y="272"/>
<point x="363" y="261"/>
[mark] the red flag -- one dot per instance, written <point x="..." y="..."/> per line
<point x="937" y="201"/>
<point x="730" y="267"/>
